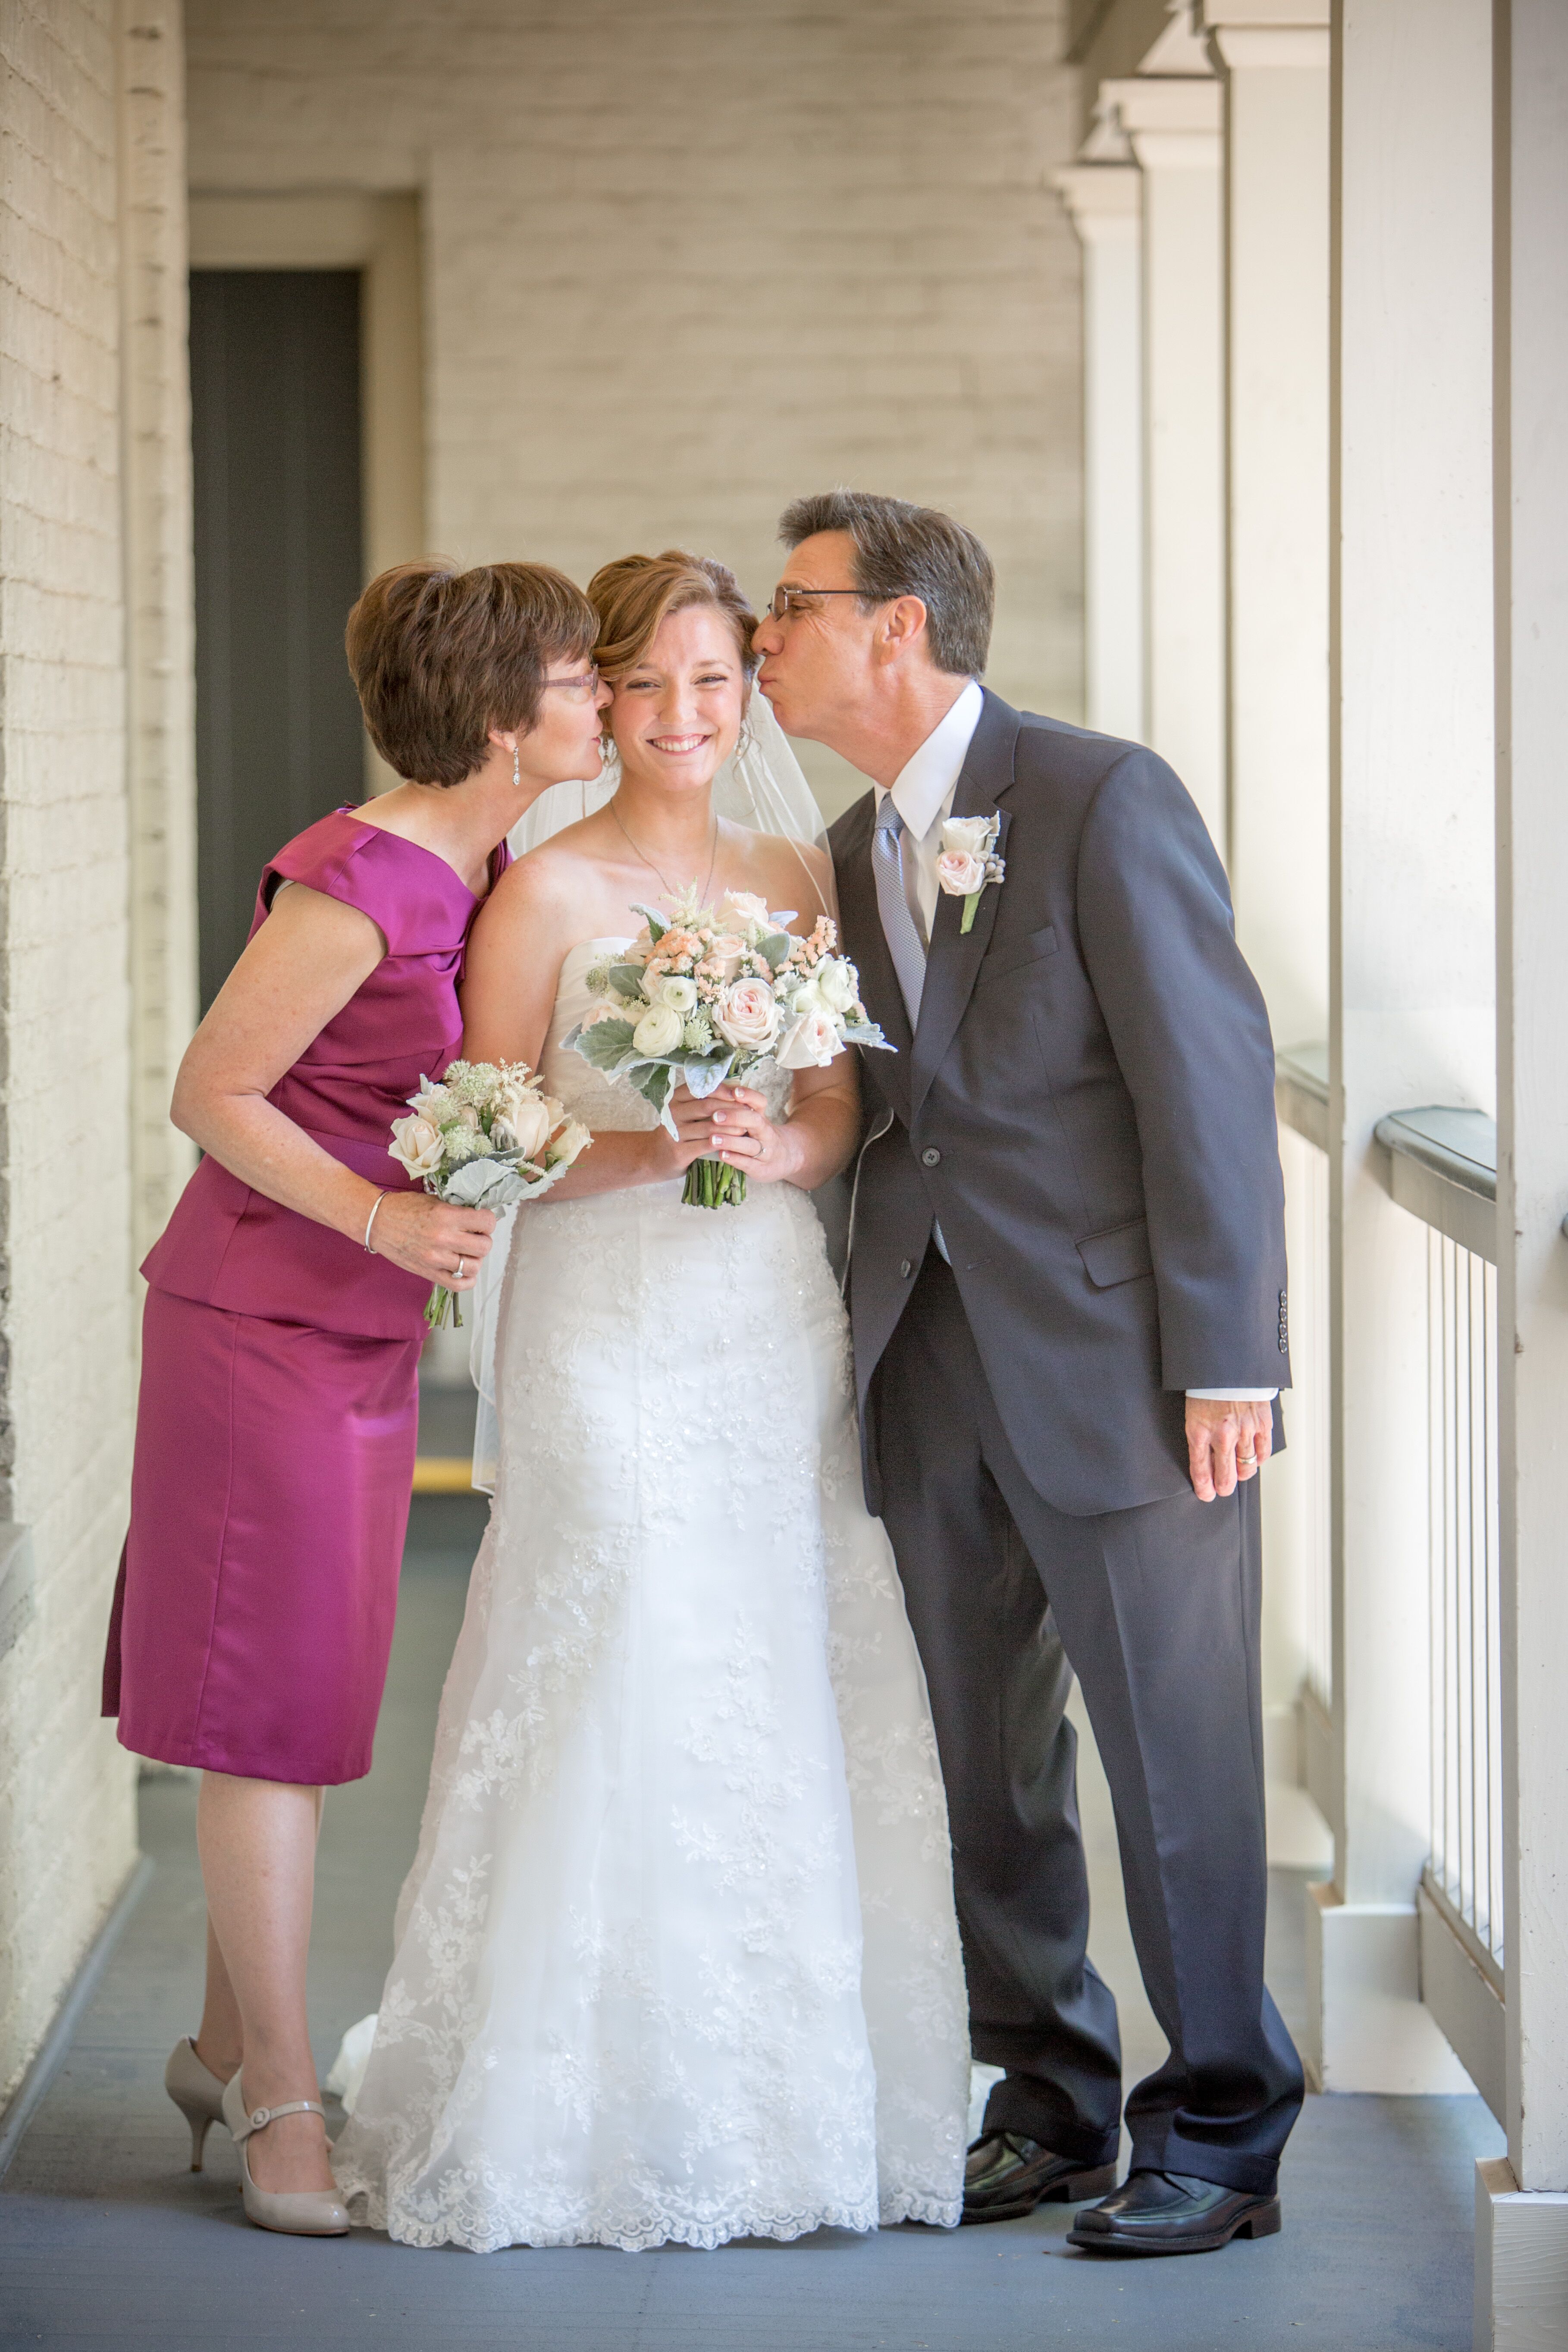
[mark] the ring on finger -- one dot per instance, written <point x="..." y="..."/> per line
<point x="1246" y="1460"/>
<point x="458" y="1276"/>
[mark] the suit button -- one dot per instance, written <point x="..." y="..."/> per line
<point x="930" y="1155"/>
<point x="906" y="1267"/>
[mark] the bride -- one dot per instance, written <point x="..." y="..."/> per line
<point x="677" y="1958"/>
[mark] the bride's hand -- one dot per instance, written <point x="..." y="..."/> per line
<point x="694" y="1125"/>
<point x="741" y="1133"/>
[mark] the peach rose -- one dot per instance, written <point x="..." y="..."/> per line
<point x="810" y="1041"/>
<point x="746" y="1016"/>
<point x="959" y="872"/>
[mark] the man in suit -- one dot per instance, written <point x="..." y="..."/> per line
<point x="1067" y="1296"/>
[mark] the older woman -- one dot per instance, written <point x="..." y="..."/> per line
<point x="279" y="1409"/>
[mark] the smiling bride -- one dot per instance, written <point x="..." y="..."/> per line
<point x="677" y="1958"/>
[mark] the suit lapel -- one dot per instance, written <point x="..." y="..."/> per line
<point x="861" y="926"/>
<point x="954" y="964"/>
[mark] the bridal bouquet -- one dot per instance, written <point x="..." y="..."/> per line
<point x="712" y="995"/>
<point x="483" y="1136"/>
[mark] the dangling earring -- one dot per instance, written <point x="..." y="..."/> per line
<point x="517" y="767"/>
<point x="746" y="740"/>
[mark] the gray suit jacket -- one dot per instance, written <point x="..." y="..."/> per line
<point x="1088" y="1109"/>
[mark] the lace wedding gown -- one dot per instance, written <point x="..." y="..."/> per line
<point x="677" y="1958"/>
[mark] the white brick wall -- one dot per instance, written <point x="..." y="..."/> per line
<point x="685" y="261"/>
<point x="160" y="686"/>
<point x="67" y="1827"/>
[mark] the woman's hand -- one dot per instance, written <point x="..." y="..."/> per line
<point x="434" y="1239"/>
<point x="741" y="1133"/>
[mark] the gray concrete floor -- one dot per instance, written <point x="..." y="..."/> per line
<point x="107" y="2242"/>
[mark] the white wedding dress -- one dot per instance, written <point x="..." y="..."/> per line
<point x="677" y="1958"/>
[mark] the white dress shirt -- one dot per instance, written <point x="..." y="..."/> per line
<point x="922" y="793"/>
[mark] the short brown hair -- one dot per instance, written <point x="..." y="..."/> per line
<point x="440" y="656"/>
<point x="902" y="550"/>
<point x="633" y="595"/>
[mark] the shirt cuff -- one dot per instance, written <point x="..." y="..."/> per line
<point x="1238" y="1396"/>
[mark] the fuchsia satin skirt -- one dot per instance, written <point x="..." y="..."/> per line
<point x="269" y="1505"/>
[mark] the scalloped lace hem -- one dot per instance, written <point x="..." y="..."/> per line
<point x="495" y="2233"/>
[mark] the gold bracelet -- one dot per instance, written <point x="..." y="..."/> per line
<point x="370" y="1221"/>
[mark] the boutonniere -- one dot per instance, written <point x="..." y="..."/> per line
<point x="968" y="860"/>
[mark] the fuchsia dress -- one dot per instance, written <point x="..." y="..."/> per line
<point x="279" y="1414"/>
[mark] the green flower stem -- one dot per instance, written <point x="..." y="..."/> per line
<point x="438" y="1307"/>
<point x="714" y="1184"/>
<point x="970" y="904"/>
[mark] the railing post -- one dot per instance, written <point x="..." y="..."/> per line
<point x="1412" y="1018"/>
<point x="1522" y="2236"/>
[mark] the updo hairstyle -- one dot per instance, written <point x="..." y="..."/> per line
<point x="633" y="595"/>
<point x="439" y="656"/>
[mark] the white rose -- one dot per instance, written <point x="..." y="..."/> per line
<point x="724" y="954"/>
<point x="972" y="834"/>
<point x="809" y="998"/>
<point x="573" y="1139"/>
<point x="659" y="1031"/>
<point x="810" y="1043"/>
<point x="742" y="910"/>
<point x="837" y="983"/>
<point x="682" y="993"/>
<point x="959" y="872"/>
<point x="523" y="1124"/>
<point x="415" y="1144"/>
<point x="615" y="1012"/>
<point x="746" y="1015"/>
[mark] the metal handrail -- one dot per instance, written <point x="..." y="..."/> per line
<point x="1443" y="1170"/>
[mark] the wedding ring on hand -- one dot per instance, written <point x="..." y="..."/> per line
<point x="1246" y="1460"/>
<point x="458" y="1276"/>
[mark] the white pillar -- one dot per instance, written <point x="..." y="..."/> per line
<point x="1411" y="1018"/>
<point x="1173" y="123"/>
<point x="1277" y="255"/>
<point x="1104" y="202"/>
<point x="1522" y="2250"/>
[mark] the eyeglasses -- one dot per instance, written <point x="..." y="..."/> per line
<point x="786" y="601"/>
<point x="580" y="689"/>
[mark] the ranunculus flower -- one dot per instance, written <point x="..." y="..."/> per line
<point x="959" y="872"/>
<point x="837" y="983"/>
<point x="970" y="833"/>
<point x="416" y="1145"/>
<point x="523" y="1123"/>
<point x="681" y="992"/>
<point x="810" y="1041"/>
<point x="738" y="910"/>
<point x="659" y="1031"/>
<point x="746" y="1015"/>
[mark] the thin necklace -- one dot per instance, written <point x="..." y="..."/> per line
<point x="652" y="869"/>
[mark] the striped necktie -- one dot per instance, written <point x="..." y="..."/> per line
<point x="899" y="929"/>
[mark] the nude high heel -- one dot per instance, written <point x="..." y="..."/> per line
<point x="302" y="2212"/>
<point x="196" y="2092"/>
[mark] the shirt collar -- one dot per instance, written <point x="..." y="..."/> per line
<point x="923" y="788"/>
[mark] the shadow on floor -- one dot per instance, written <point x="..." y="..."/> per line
<point x="106" y="2241"/>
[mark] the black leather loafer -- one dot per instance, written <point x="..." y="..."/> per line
<point x="1173" y="2214"/>
<point x="1008" y="2175"/>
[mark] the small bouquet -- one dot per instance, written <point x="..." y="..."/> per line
<point x="711" y="997"/>
<point x="484" y="1135"/>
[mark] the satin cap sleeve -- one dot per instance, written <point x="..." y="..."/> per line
<point x="410" y="894"/>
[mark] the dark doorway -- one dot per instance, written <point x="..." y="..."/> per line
<point x="275" y="397"/>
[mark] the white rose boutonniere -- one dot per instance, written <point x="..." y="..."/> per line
<point x="968" y="860"/>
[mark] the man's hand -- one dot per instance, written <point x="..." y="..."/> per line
<point x="1225" y="1442"/>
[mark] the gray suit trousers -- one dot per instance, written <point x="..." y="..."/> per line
<point x="1157" y="1610"/>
